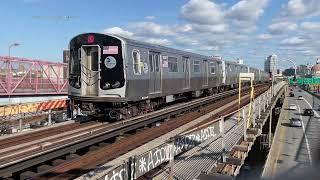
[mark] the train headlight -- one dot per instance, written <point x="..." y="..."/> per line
<point x="116" y="84"/>
<point x="106" y="86"/>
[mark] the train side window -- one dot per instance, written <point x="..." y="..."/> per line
<point x="212" y="67"/>
<point x="196" y="66"/>
<point x="136" y="62"/>
<point x="173" y="64"/>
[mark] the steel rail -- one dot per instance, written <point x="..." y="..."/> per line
<point x="50" y="150"/>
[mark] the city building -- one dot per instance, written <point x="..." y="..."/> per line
<point x="315" y="70"/>
<point x="66" y="56"/>
<point x="288" y="72"/>
<point x="271" y="64"/>
<point x="239" y="61"/>
<point x="303" y="70"/>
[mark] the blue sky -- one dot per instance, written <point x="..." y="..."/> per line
<point x="246" y="29"/>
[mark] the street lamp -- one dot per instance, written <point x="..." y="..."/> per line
<point x="294" y="65"/>
<point x="12" y="45"/>
<point x="9" y="66"/>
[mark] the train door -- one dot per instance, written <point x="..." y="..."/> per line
<point x="90" y="61"/>
<point x="155" y="73"/>
<point x="205" y="72"/>
<point x="186" y="71"/>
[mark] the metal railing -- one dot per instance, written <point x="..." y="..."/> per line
<point x="21" y="76"/>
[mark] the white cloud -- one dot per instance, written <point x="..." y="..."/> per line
<point x="218" y="29"/>
<point x="118" y="31"/>
<point x="293" y="41"/>
<point x="208" y="48"/>
<point x="150" y="18"/>
<point x="209" y="28"/>
<point x="305" y="36"/>
<point x="183" y="28"/>
<point x="312" y="26"/>
<point x="159" y="41"/>
<point x="154" y="29"/>
<point x="137" y="36"/>
<point x="202" y="12"/>
<point x="247" y="29"/>
<point x="244" y="14"/>
<point x="247" y="10"/>
<point x="301" y="8"/>
<point x="264" y="36"/>
<point x="308" y="52"/>
<point x="186" y="41"/>
<point x="281" y="27"/>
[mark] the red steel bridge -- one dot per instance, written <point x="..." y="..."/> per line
<point x="31" y="77"/>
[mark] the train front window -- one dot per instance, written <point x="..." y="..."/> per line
<point x="74" y="69"/>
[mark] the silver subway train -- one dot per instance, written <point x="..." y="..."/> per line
<point x="120" y="78"/>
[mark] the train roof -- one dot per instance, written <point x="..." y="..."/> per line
<point x="164" y="48"/>
<point x="160" y="47"/>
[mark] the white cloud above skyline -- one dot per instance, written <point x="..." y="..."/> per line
<point x="213" y="28"/>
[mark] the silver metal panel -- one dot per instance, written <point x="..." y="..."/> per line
<point x="186" y="71"/>
<point x="90" y="62"/>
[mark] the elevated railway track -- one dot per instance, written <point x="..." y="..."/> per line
<point x="23" y="155"/>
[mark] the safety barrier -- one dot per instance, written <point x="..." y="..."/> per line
<point x="10" y="110"/>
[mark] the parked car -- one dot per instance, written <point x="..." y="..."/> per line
<point x="308" y="112"/>
<point x="291" y="94"/>
<point x="300" y="98"/>
<point x="293" y="107"/>
<point x="295" y="122"/>
<point x="299" y="90"/>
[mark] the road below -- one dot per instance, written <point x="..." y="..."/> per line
<point x="296" y="148"/>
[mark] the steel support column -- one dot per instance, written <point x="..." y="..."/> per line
<point x="223" y="144"/>
<point x="244" y="125"/>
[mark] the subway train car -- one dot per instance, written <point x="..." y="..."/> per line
<point x="120" y="78"/>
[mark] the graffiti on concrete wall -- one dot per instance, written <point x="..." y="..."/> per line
<point x="161" y="154"/>
<point x="118" y="173"/>
<point x="140" y="165"/>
